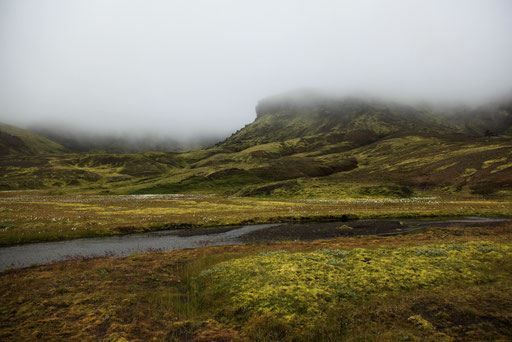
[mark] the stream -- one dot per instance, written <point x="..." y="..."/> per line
<point x="125" y="245"/>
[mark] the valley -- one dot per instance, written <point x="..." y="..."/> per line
<point x="362" y="220"/>
<point x="256" y="171"/>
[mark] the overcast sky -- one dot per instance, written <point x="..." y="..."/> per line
<point x="198" y="67"/>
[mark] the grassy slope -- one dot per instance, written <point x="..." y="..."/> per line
<point x="14" y="140"/>
<point x="303" y="167"/>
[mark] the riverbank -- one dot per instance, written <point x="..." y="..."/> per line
<point x="442" y="284"/>
<point x="121" y="246"/>
<point x="33" y="216"/>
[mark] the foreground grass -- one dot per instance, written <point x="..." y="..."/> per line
<point x="298" y="292"/>
<point x="32" y="216"/>
<point x="443" y="284"/>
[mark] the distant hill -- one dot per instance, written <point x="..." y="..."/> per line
<point x="90" y="142"/>
<point x="493" y="118"/>
<point x="15" y="140"/>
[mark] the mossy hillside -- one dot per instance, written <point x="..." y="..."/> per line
<point x="493" y="118"/>
<point x="286" y="117"/>
<point x="15" y="140"/>
<point x="420" y="163"/>
<point x="385" y="167"/>
<point x="220" y="181"/>
<point x="427" y="163"/>
<point x="77" y="172"/>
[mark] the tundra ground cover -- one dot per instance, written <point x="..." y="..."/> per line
<point x="181" y="295"/>
<point x="298" y="290"/>
<point x="30" y="216"/>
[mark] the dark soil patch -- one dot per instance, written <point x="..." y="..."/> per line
<point x="471" y="315"/>
<point x="203" y="231"/>
<point x="329" y="230"/>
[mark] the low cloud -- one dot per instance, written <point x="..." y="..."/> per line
<point x="193" y="68"/>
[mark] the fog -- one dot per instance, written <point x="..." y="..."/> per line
<point x="198" y="68"/>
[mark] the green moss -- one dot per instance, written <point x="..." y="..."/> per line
<point x="421" y="322"/>
<point x="502" y="167"/>
<point x="469" y="172"/>
<point x="489" y="163"/>
<point x="299" y="289"/>
<point x="444" y="167"/>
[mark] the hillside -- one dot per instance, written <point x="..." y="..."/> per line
<point x="310" y="146"/>
<point x="334" y="119"/>
<point x="15" y="140"/>
<point x="494" y="118"/>
<point x="359" y="121"/>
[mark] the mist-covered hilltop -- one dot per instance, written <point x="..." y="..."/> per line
<point x="307" y="113"/>
<point x="80" y="141"/>
<point x="50" y="139"/>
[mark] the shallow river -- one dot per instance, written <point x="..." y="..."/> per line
<point x="120" y="246"/>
